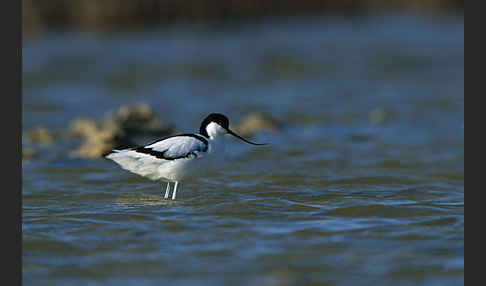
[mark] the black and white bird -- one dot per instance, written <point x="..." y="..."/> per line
<point x="178" y="157"/>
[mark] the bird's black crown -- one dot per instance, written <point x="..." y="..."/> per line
<point x="218" y="118"/>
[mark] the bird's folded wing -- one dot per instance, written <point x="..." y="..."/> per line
<point x="176" y="147"/>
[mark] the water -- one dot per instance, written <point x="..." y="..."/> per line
<point x="364" y="185"/>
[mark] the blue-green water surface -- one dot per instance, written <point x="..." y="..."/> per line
<point x="363" y="185"/>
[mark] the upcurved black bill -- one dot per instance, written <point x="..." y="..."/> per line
<point x="239" y="137"/>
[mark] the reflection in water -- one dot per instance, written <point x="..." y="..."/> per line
<point x="141" y="200"/>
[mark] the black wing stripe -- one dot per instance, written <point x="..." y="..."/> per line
<point x="161" y="155"/>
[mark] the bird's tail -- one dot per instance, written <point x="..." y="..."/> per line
<point x="112" y="154"/>
<point x="115" y="154"/>
<point x="135" y="162"/>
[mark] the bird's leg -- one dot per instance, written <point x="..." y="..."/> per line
<point x="167" y="191"/>
<point x="175" y="190"/>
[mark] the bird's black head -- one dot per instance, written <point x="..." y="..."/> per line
<point x="217" y="118"/>
<point x="223" y="122"/>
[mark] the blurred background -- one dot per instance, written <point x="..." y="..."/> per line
<point x="362" y="102"/>
<point x="94" y="15"/>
